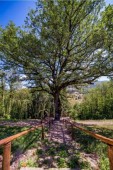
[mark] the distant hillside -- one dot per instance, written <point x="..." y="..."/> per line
<point x="76" y="96"/>
<point x="72" y="89"/>
<point x="94" y="85"/>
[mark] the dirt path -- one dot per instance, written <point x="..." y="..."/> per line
<point x="57" y="150"/>
<point x="62" y="134"/>
<point x="59" y="133"/>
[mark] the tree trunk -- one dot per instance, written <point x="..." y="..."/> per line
<point x="57" y="106"/>
<point x="3" y="94"/>
<point x="10" y="98"/>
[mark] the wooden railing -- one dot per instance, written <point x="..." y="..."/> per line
<point x="103" y="139"/>
<point x="6" y="143"/>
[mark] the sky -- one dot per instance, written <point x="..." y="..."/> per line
<point x="109" y="1"/>
<point x="17" y="10"/>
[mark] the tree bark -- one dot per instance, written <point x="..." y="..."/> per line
<point x="57" y="106"/>
<point x="3" y="93"/>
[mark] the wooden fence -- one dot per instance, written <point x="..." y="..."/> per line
<point x="103" y="139"/>
<point x="6" y="143"/>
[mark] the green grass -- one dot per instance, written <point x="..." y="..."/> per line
<point x="28" y="163"/>
<point x="89" y="144"/>
<point x="74" y="161"/>
<point x="6" y="131"/>
<point x="108" y="124"/>
<point x="109" y="127"/>
<point x="60" y="155"/>
<point x="61" y="163"/>
<point x="22" y="143"/>
<point x="39" y="152"/>
<point x="63" y="154"/>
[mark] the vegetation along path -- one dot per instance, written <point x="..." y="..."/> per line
<point x="57" y="150"/>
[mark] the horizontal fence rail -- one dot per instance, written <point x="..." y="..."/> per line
<point x="13" y="137"/>
<point x="103" y="139"/>
<point x="6" y="143"/>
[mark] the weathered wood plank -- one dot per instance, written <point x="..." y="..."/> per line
<point x="6" y="156"/>
<point x="110" y="155"/>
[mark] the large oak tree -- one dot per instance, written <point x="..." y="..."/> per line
<point x="64" y="44"/>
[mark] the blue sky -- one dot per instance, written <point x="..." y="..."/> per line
<point x="16" y="10"/>
<point x="109" y="1"/>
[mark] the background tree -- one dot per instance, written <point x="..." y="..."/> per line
<point x="96" y="104"/>
<point x="63" y="44"/>
<point x="2" y="92"/>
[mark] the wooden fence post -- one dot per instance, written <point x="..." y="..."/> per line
<point x="6" y="156"/>
<point x="42" y="132"/>
<point x="110" y="155"/>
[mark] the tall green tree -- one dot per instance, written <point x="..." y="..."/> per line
<point x="62" y="45"/>
<point x="96" y="104"/>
